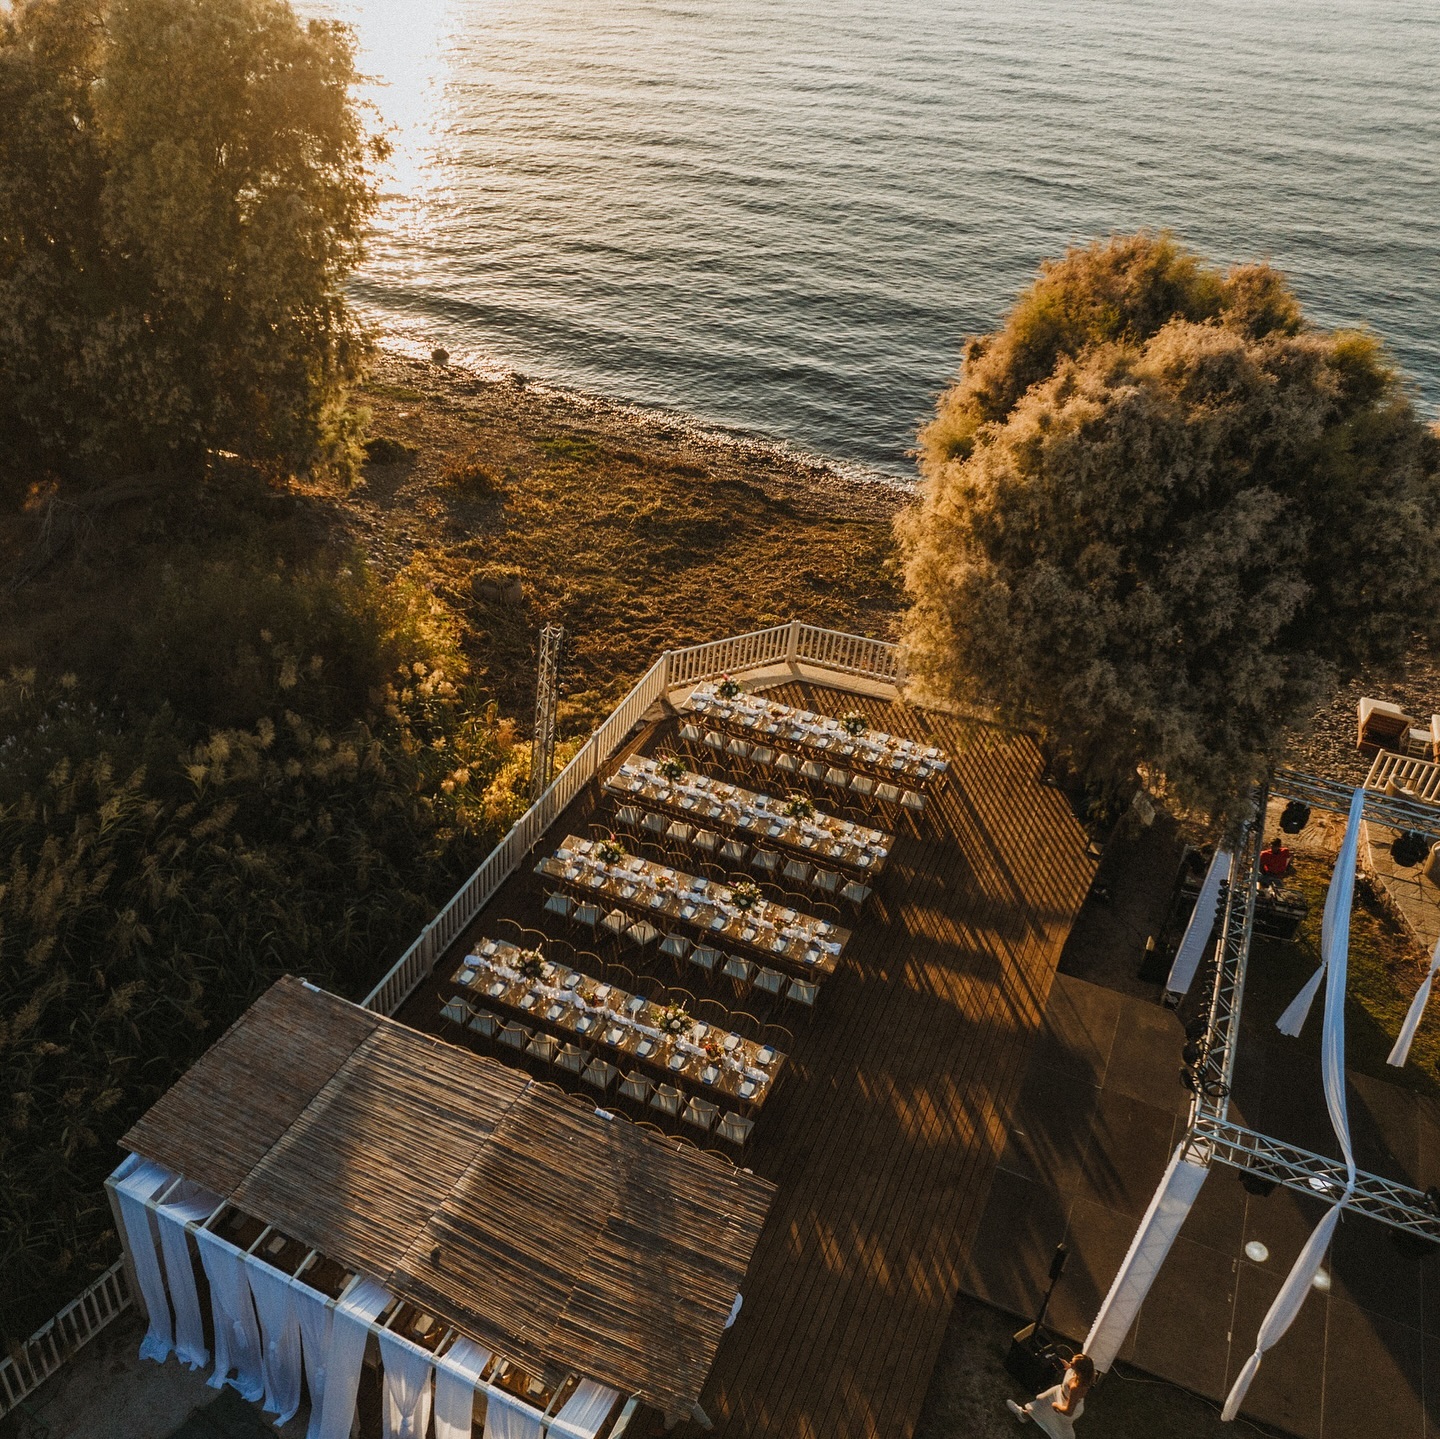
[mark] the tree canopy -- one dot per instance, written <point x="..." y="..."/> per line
<point x="184" y="186"/>
<point x="1161" y="515"/>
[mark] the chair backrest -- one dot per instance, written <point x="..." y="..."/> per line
<point x="745" y="1024"/>
<point x="801" y="991"/>
<point x="778" y="1037"/>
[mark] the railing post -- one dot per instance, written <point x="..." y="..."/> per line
<point x="792" y="644"/>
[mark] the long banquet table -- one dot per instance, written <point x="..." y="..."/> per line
<point x="655" y="892"/>
<point x="625" y="1026"/>
<point x="820" y="737"/>
<point x="696" y="798"/>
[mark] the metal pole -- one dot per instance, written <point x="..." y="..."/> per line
<point x="547" y="694"/>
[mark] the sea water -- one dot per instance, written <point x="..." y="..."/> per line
<point x="785" y="215"/>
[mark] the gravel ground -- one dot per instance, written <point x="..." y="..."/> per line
<point x="1413" y="682"/>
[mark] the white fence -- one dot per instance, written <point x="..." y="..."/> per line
<point x="26" y="1368"/>
<point x="1413" y="778"/>
<point x="793" y="643"/>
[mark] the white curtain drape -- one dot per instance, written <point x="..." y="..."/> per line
<point x="280" y="1360"/>
<point x="457" y="1372"/>
<point x="1202" y="924"/>
<point x="405" y="1408"/>
<point x="349" y="1329"/>
<point x="1334" y="963"/>
<point x="313" y="1311"/>
<point x="171" y="1218"/>
<point x="583" y="1413"/>
<point x="1337" y="902"/>
<point x="1401" y="1052"/>
<point x="509" y="1418"/>
<point x="138" y="1183"/>
<point x="237" y="1335"/>
<point x="1171" y="1203"/>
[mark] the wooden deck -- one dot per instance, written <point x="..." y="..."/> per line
<point x="885" y="1136"/>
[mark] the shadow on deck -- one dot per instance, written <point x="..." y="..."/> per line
<point x="886" y="1133"/>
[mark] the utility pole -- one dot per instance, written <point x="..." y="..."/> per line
<point x="547" y="694"/>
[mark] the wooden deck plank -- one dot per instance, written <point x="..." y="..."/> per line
<point x="885" y="1136"/>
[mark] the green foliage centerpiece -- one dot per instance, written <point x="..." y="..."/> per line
<point x="671" y="768"/>
<point x="675" y="1021"/>
<point x="853" y="723"/>
<point x="611" y="850"/>
<point x="727" y="689"/>
<point x="799" y="807"/>
<point x="746" y="895"/>
<point x="530" y="964"/>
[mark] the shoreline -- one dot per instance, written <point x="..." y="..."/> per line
<point x="660" y="423"/>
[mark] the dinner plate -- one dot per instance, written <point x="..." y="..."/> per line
<point x="718" y="922"/>
<point x="645" y="1049"/>
<point x="687" y="911"/>
<point x="497" y="989"/>
<point x="732" y="1041"/>
<point x="709" y="1074"/>
<point x="554" y="1012"/>
<point x="584" y="1024"/>
<point x="527" y="1001"/>
<point x="747" y="1088"/>
<point x="614" y="1035"/>
<point x="570" y="980"/>
<point x="765" y="1055"/>
<point x="467" y="977"/>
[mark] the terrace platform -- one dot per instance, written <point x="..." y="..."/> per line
<point x="885" y="1136"/>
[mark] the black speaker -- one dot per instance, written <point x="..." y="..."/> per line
<point x="1253" y="1183"/>
<point x="1033" y="1361"/>
<point x="1295" y="817"/>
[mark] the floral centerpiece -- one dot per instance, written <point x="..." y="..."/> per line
<point x="727" y="689"/>
<point x="670" y="768"/>
<point x="714" y="1050"/>
<point x="611" y="851"/>
<point x="746" y="894"/>
<point x="531" y="964"/>
<point x="854" y="723"/>
<point x="799" y="807"/>
<point x="675" y="1019"/>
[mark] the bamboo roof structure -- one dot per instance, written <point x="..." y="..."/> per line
<point x="557" y="1238"/>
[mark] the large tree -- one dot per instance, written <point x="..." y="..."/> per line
<point x="184" y="186"/>
<point x="1160" y="516"/>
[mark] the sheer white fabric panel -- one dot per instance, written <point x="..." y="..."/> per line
<point x="280" y="1336"/>
<point x="457" y="1372"/>
<point x="405" y="1407"/>
<point x="1335" y="925"/>
<point x="349" y="1329"/>
<point x="141" y="1182"/>
<point x="1401" y="1052"/>
<point x="237" y="1335"/>
<point x="313" y="1311"/>
<point x="1202" y="923"/>
<point x="171" y="1219"/>
<point x="1334" y="963"/>
<point x="585" y="1411"/>
<point x="1168" y="1208"/>
<point x="511" y="1418"/>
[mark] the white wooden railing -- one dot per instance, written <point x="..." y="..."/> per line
<point x="793" y="643"/>
<point x="1416" y="777"/>
<point x="24" y="1371"/>
<point x="27" y="1367"/>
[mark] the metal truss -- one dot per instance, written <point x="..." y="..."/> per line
<point x="1392" y="811"/>
<point x="1211" y="1135"/>
<point x="1392" y="1203"/>
<point x="547" y="695"/>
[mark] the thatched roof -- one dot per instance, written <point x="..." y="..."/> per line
<point x="559" y="1239"/>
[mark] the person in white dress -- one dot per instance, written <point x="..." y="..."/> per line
<point x="1055" y="1411"/>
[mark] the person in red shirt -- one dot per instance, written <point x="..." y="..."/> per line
<point x="1274" y="863"/>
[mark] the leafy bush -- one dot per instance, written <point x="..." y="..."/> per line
<point x="158" y="869"/>
<point x="1160" y="514"/>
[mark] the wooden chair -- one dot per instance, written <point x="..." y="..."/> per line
<point x="855" y="894"/>
<point x="705" y="842"/>
<point x="713" y="1013"/>
<point x="675" y="994"/>
<point x="483" y="1023"/>
<point x="738" y="971"/>
<point x="862" y="793"/>
<point x="778" y="1037"/>
<point x="628" y="817"/>
<point x="666" y="1101"/>
<point x="812" y="772"/>
<point x="456" y="1011"/>
<point x="586" y="916"/>
<point x="653" y="825"/>
<point x="514" y="1036"/>
<point x="826" y="881"/>
<point x="700" y="1114"/>
<point x="600" y="1074"/>
<point x="615" y="924"/>
<point x="762" y="757"/>
<point x="543" y="1047"/>
<point x="637" y="1088"/>
<point x="734" y="1129"/>
<point x="786" y="764"/>
<point x="797" y="871"/>
<point x="732" y="853"/>
<point x="802" y="991"/>
<point x="675" y="947"/>
<point x="769" y="982"/>
<point x="559" y="904"/>
<point x="572" y="1059"/>
<point x="712" y="748"/>
<point x="838" y="780"/>
<point x="703" y="957"/>
<point x="746" y="1025"/>
<point x="912" y="806"/>
<point x="765" y="862"/>
<point x="642" y="934"/>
